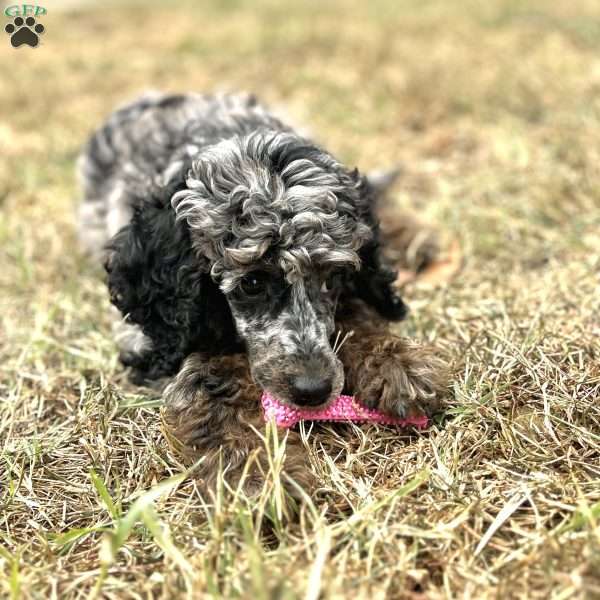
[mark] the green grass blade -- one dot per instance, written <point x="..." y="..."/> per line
<point x="104" y="494"/>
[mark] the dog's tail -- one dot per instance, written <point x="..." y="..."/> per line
<point x="409" y="245"/>
<point x="381" y="180"/>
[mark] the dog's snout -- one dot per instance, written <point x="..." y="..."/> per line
<point x="310" y="391"/>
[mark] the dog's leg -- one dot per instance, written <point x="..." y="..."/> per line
<point x="387" y="372"/>
<point x="212" y="408"/>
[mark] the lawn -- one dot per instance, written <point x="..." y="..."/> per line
<point x="493" y="111"/>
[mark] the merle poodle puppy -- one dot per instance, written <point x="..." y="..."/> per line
<point x="237" y="251"/>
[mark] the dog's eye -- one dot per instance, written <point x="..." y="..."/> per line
<point x="254" y="284"/>
<point x="332" y="282"/>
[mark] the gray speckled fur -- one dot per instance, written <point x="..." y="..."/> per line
<point x="299" y="222"/>
<point x="144" y="142"/>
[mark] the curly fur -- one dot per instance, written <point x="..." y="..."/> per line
<point x="212" y="407"/>
<point x="195" y="203"/>
<point x="268" y="191"/>
<point x="388" y="372"/>
<point x="209" y="415"/>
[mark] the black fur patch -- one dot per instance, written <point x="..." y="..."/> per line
<point x="157" y="282"/>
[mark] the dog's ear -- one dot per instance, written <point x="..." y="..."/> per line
<point x="158" y="283"/>
<point x="373" y="283"/>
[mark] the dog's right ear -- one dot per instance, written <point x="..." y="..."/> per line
<point x="160" y="284"/>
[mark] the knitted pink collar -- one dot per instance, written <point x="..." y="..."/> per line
<point x="345" y="408"/>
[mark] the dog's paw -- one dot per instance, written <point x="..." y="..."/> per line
<point x="401" y="379"/>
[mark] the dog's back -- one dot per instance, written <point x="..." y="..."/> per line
<point x="144" y="143"/>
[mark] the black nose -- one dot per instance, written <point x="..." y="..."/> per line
<point x="310" y="391"/>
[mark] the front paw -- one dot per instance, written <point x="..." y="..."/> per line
<point x="212" y="416"/>
<point x="401" y="378"/>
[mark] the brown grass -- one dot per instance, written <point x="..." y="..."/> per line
<point x="493" y="110"/>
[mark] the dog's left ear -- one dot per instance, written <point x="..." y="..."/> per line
<point x="373" y="283"/>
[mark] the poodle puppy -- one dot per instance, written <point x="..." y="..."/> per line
<point x="237" y="251"/>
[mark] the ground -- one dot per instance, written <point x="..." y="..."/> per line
<point x="493" y="111"/>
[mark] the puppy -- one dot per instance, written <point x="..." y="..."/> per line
<point x="237" y="252"/>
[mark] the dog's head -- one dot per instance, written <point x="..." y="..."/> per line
<point x="282" y="225"/>
<point x="255" y="243"/>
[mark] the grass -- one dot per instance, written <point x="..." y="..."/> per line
<point x="493" y="110"/>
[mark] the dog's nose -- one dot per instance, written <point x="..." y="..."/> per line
<point x="310" y="391"/>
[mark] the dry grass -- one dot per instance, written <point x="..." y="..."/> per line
<point x="494" y="111"/>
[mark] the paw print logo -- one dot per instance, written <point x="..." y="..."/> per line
<point x="24" y="31"/>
